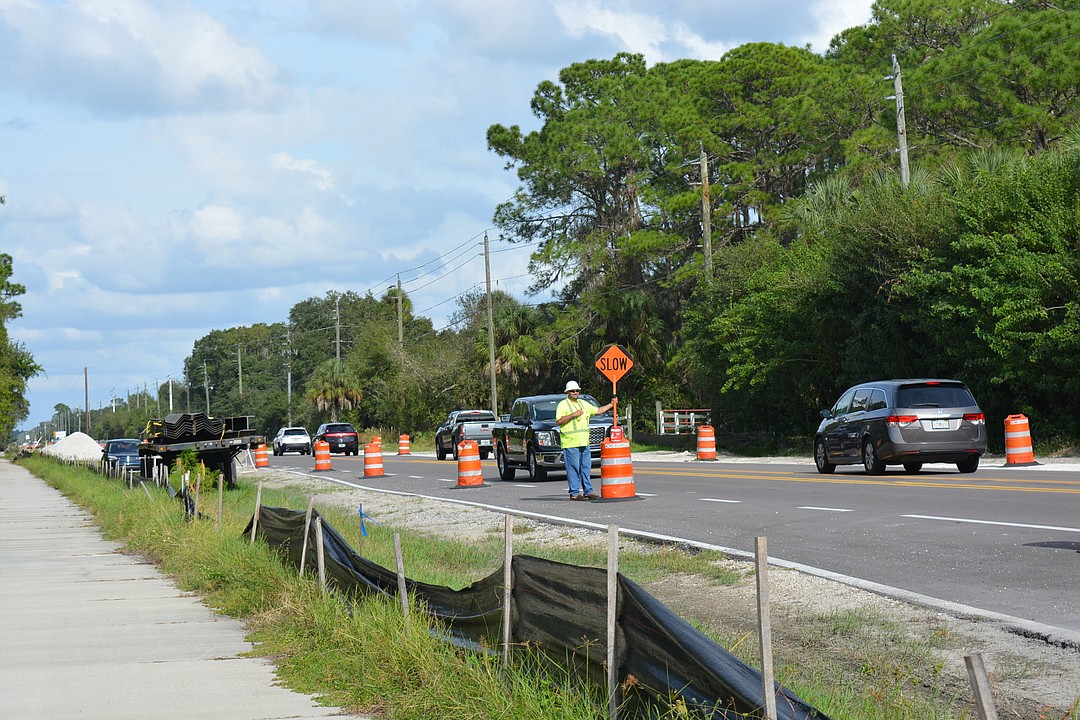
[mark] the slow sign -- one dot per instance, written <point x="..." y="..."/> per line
<point x="613" y="363"/>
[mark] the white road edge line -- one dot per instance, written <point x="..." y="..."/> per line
<point x="993" y="522"/>
<point x="825" y="509"/>
<point x="720" y="501"/>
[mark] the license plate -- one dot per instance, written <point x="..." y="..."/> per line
<point x="343" y="444"/>
<point x="939" y="424"/>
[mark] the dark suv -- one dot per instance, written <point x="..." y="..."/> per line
<point x="121" y="454"/>
<point x="902" y="422"/>
<point x="342" y="437"/>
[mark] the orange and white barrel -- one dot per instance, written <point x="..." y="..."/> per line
<point x="469" y="472"/>
<point x="373" y="465"/>
<point x="403" y="445"/>
<point x="706" y="443"/>
<point x="261" y="459"/>
<point x="1018" y="450"/>
<point x="322" y="456"/>
<point x="616" y="468"/>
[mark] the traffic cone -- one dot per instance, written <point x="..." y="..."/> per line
<point x="322" y="456"/>
<point x="616" y="468"/>
<point x="706" y="443"/>
<point x="373" y="464"/>
<point x="470" y="473"/>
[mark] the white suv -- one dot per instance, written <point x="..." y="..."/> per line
<point x="292" y="439"/>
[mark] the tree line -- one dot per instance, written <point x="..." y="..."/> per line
<point x="740" y="227"/>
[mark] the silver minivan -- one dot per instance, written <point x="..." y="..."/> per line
<point x="902" y="422"/>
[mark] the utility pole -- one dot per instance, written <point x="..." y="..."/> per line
<point x="491" y="328"/>
<point x="400" y="321"/>
<point x="206" y="386"/>
<point x="86" y="391"/>
<point x="170" y="395"/>
<point x="901" y="126"/>
<point x="240" y="371"/>
<point x="706" y="211"/>
<point x="337" y="328"/>
<point x="288" y="371"/>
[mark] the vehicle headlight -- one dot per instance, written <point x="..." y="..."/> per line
<point x="547" y="438"/>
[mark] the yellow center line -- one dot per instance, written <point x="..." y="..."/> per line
<point x="1047" y="485"/>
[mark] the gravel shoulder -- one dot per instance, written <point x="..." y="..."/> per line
<point x="1032" y="678"/>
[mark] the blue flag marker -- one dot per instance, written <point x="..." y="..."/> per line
<point x="365" y="516"/>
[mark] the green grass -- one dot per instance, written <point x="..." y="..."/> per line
<point x="854" y="665"/>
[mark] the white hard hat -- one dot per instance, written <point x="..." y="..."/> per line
<point x="572" y="385"/>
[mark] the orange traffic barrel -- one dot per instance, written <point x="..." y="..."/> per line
<point x="322" y="456"/>
<point x="616" y="468"/>
<point x="261" y="459"/>
<point x="373" y="466"/>
<point x="1018" y="450"/>
<point x="403" y="445"/>
<point x="706" y="443"/>
<point x="469" y="472"/>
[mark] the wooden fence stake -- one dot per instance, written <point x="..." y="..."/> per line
<point x="321" y="555"/>
<point x="220" y="501"/>
<point x="258" y="509"/>
<point x="402" y="590"/>
<point x="198" y="486"/>
<point x="612" y="597"/>
<point x="761" y="556"/>
<point x="307" y="528"/>
<point x="980" y="683"/>
<point x="508" y="556"/>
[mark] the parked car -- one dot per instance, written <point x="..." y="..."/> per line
<point x="121" y="453"/>
<point x="902" y="422"/>
<point x="464" y="425"/>
<point x="342" y="437"/>
<point x="292" y="439"/>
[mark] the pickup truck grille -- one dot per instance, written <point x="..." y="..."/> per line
<point x="597" y="433"/>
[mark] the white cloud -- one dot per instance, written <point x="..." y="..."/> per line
<point x="832" y="17"/>
<point x="124" y="56"/>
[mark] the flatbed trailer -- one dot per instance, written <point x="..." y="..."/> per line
<point x="166" y="438"/>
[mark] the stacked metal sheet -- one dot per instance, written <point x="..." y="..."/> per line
<point x="188" y="427"/>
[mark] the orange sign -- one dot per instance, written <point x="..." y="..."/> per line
<point x="613" y="363"/>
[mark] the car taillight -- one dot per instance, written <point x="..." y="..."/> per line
<point x="975" y="418"/>
<point x="899" y="420"/>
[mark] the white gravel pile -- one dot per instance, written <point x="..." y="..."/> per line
<point x="76" y="446"/>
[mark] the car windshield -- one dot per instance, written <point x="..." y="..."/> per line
<point x="546" y="410"/>
<point x="912" y="396"/>
<point x="339" y="429"/>
<point x="296" y="431"/>
<point x="124" y="446"/>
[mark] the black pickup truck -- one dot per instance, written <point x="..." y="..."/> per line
<point x="529" y="440"/>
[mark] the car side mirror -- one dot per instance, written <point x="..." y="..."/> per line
<point x="827" y="414"/>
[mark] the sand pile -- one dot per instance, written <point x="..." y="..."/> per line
<point x="76" y="446"/>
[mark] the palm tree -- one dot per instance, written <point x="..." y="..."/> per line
<point x="332" y="389"/>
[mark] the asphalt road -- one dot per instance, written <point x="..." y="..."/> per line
<point x="1004" y="539"/>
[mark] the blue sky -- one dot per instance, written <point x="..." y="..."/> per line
<point x="176" y="167"/>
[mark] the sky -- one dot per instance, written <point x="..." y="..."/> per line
<point x="180" y="166"/>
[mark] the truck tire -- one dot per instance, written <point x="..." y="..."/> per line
<point x="506" y="473"/>
<point x="439" y="452"/>
<point x="536" y="473"/>
<point x="484" y="454"/>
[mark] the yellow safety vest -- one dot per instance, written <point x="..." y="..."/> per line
<point x="576" y="432"/>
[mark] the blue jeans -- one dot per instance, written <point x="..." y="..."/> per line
<point x="578" y="461"/>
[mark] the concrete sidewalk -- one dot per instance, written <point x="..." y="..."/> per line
<point x="88" y="632"/>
